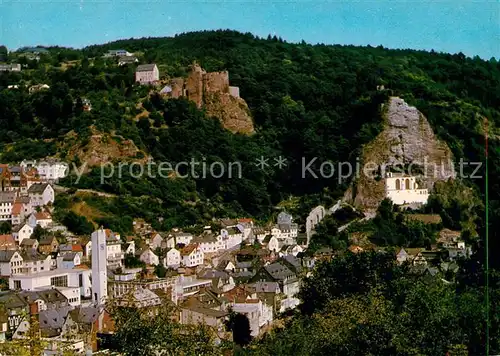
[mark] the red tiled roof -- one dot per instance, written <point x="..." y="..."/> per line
<point x="6" y="241"/>
<point x="81" y="267"/>
<point x="17" y="208"/>
<point x="76" y="248"/>
<point x="245" y="220"/>
<point x="43" y="216"/>
<point x="188" y="249"/>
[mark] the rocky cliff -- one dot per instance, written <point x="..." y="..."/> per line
<point x="212" y="92"/>
<point x="407" y="140"/>
<point x="99" y="148"/>
<point x="232" y="112"/>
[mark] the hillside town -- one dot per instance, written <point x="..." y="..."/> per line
<point x="289" y="257"/>
<point x="240" y="266"/>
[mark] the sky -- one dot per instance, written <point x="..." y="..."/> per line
<point x="472" y="28"/>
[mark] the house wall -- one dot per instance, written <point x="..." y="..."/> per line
<point x="114" y="255"/>
<point x="273" y="244"/>
<point x="252" y="312"/>
<point x="195" y="258"/>
<point x="13" y="266"/>
<point x="24" y="233"/>
<point x="231" y="240"/>
<point x="192" y="317"/>
<point x="6" y="211"/>
<point x="183" y="239"/>
<point x="210" y="247"/>
<point x="148" y="76"/>
<point x="404" y="190"/>
<point x="52" y="171"/>
<point x="148" y="257"/>
<point x="234" y="91"/>
<point x="42" y="199"/>
<point x="173" y="258"/>
<point x="156" y="242"/>
<point x="72" y="294"/>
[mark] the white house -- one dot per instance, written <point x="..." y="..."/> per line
<point x="127" y="60"/>
<point x="139" y="298"/>
<point x="209" y="243"/>
<point x="11" y="262"/>
<point x="273" y="244"/>
<point x="147" y="74"/>
<point x="114" y="251"/>
<point x="293" y="250"/>
<point x="76" y="277"/>
<point x="71" y="260"/>
<point x="72" y="294"/>
<point x="18" y="214"/>
<point x="117" y="53"/>
<point x="51" y="170"/>
<point x="130" y="247"/>
<point x="258" y="313"/>
<point x="192" y="256"/>
<point x="21" y="232"/>
<point x="149" y="257"/>
<point x="179" y="238"/>
<point x="7" y="200"/>
<point x="34" y="262"/>
<point x="403" y="189"/>
<point x="259" y="233"/>
<point x="41" y="194"/>
<point x="155" y="240"/>
<point x="231" y="237"/>
<point x="172" y="258"/>
<point x="43" y="219"/>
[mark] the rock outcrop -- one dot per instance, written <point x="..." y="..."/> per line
<point x="212" y="92"/>
<point x="407" y="139"/>
<point x="100" y="148"/>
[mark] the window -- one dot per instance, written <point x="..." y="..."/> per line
<point x="17" y="284"/>
<point x="59" y="281"/>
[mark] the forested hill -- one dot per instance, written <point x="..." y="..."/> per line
<point x="306" y="101"/>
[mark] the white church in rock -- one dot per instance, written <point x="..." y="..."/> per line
<point x="403" y="189"/>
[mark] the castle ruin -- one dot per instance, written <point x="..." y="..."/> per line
<point x="212" y="92"/>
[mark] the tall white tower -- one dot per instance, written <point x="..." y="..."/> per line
<point x="99" y="271"/>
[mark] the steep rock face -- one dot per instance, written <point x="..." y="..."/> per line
<point x="233" y="112"/>
<point x="99" y="149"/>
<point x="407" y="139"/>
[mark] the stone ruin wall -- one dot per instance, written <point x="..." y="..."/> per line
<point x="194" y="85"/>
<point x="216" y="82"/>
<point x="177" y="85"/>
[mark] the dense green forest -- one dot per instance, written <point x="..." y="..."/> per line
<point x="306" y="101"/>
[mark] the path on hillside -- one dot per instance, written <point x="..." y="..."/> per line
<point x="368" y="216"/>
<point x="90" y="191"/>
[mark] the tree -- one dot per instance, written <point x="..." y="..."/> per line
<point x="144" y="332"/>
<point x="160" y="270"/>
<point x="239" y="325"/>
<point x="38" y="233"/>
<point x="3" y="53"/>
<point x="5" y="227"/>
<point x="132" y="261"/>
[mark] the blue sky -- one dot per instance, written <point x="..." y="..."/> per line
<point x="449" y="26"/>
